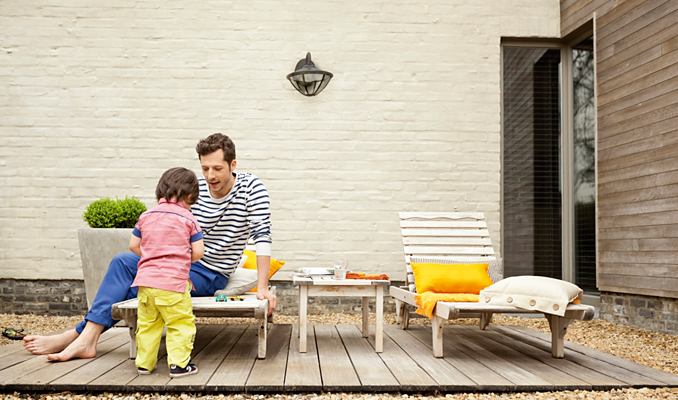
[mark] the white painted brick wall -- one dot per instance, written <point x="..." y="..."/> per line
<point x="99" y="98"/>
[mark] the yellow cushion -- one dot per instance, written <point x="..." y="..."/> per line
<point x="451" y="278"/>
<point x="251" y="263"/>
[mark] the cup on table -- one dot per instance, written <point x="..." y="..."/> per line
<point x="340" y="269"/>
<point x="339" y="273"/>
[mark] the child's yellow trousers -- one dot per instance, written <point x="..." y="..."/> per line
<point x="158" y="308"/>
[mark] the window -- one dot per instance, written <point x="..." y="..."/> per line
<point x="548" y="161"/>
<point x="531" y="161"/>
<point x="583" y="129"/>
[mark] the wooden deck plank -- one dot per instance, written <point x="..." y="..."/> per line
<point x="303" y="370"/>
<point x="122" y="374"/>
<point x="233" y="371"/>
<point x="15" y="353"/>
<point x="11" y="348"/>
<point x="159" y="378"/>
<point x="648" y="375"/>
<point x="653" y="373"/>
<point x="336" y="368"/>
<point x="14" y="358"/>
<point x="32" y="362"/>
<point x="553" y="376"/>
<point x="500" y="359"/>
<point x="410" y="376"/>
<point x="463" y="360"/>
<point x="515" y="373"/>
<point x="373" y="374"/>
<point x="79" y="378"/>
<point x="446" y="375"/>
<point x="52" y="371"/>
<point x="115" y="379"/>
<point x="268" y="375"/>
<point x="603" y="367"/>
<point x="544" y="355"/>
<point x="209" y="359"/>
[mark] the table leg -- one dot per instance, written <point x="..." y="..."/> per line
<point x="366" y="316"/>
<point x="379" y="329"/>
<point x="303" y="304"/>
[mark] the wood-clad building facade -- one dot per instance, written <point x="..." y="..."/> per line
<point x="636" y="72"/>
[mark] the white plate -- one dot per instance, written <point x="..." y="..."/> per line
<point x="316" y="271"/>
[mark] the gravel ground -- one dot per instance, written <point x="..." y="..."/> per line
<point x="653" y="349"/>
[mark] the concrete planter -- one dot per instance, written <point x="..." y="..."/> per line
<point x="97" y="248"/>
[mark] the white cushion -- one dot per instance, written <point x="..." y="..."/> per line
<point x="240" y="281"/>
<point x="537" y="293"/>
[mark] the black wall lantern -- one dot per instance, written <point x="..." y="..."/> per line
<point x="307" y="78"/>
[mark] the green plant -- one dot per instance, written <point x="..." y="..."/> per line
<point x="114" y="213"/>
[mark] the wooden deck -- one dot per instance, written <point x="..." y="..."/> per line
<point x="339" y="359"/>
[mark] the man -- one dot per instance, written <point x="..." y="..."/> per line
<point x="231" y="209"/>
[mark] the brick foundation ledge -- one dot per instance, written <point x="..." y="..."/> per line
<point x="43" y="296"/>
<point x="654" y="313"/>
<point x="67" y="297"/>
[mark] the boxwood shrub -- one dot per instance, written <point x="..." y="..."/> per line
<point x="114" y="213"/>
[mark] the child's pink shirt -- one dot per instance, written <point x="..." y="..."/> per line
<point x="166" y="233"/>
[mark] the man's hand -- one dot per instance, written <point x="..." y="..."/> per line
<point x="272" y="299"/>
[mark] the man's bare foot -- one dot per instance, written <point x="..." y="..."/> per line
<point x="78" y="349"/>
<point x="84" y="346"/>
<point x="38" y="344"/>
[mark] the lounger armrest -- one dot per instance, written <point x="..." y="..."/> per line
<point x="580" y="311"/>
<point x="403" y="295"/>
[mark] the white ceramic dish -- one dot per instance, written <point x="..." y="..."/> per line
<point x="316" y="271"/>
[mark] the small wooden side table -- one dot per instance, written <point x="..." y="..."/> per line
<point x="326" y="286"/>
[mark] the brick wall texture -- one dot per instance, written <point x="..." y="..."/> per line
<point x="44" y="297"/>
<point x="99" y="98"/>
<point x="67" y="297"/>
<point x="655" y="313"/>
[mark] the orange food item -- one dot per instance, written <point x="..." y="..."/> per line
<point x="362" y="275"/>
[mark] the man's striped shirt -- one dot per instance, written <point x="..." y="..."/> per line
<point x="228" y="223"/>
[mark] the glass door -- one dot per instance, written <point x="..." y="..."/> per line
<point x="583" y="163"/>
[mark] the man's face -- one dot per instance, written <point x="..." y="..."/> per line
<point x="217" y="173"/>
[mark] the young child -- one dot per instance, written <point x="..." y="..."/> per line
<point x="167" y="238"/>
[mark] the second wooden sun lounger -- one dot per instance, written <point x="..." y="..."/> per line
<point x="464" y="237"/>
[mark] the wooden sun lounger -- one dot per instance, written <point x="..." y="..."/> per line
<point x="250" y="307"/>
<point x="463" y="235"/>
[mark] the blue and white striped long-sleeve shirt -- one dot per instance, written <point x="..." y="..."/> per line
<point x="228" y="223"/>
